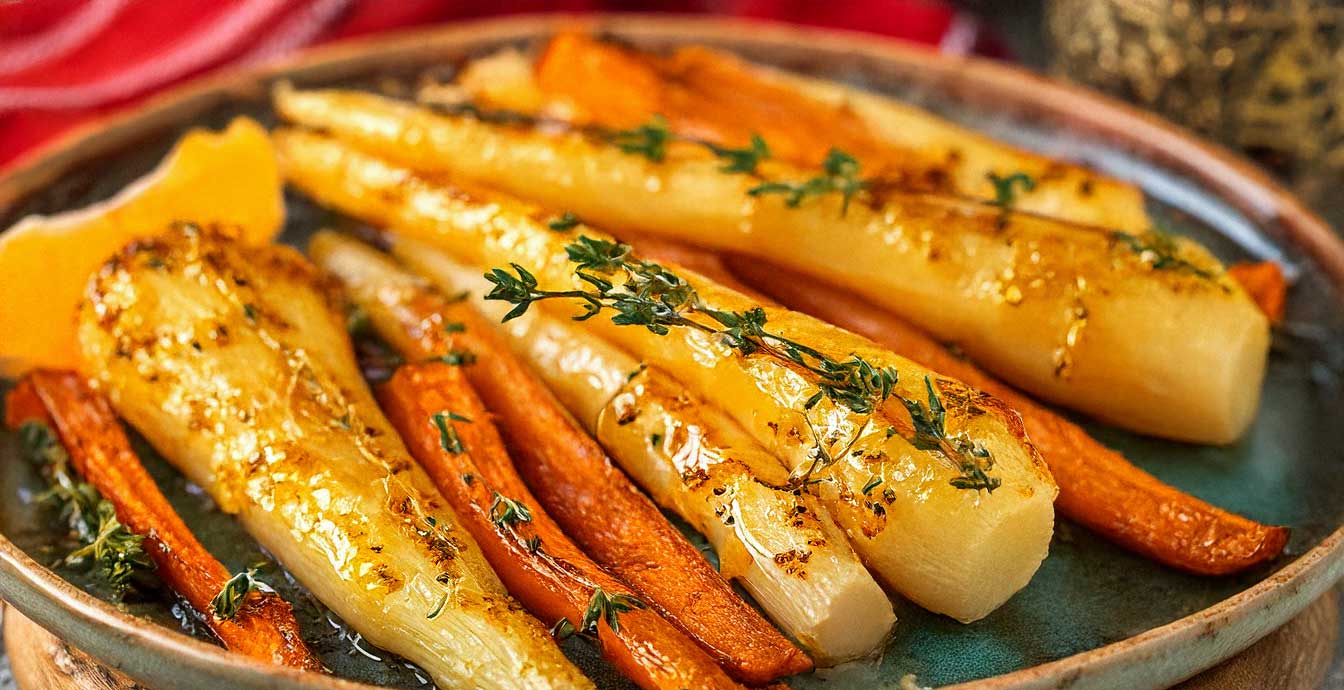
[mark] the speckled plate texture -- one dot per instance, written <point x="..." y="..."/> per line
<point x="1093" y="617"/>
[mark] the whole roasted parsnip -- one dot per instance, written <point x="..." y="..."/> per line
<point x="715" y="96"/>
<point x="1141" y="330"/>
<point x="232" y="364"/>
<point x="914" y="497"/>
<point x="694" y="460"/>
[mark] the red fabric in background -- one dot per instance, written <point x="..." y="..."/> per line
<point x="63" y="62"/>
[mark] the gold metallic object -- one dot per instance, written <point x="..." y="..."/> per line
<point x="1263" y="76"/>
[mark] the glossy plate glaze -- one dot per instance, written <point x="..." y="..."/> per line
<point x="1093" y="617"/>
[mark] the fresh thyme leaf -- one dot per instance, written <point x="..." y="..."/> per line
<point x="607" y="607"/>
<point x="229" y="601"/>
<point x="454" y="327"/>
<point x="458" y="358"/>
<point x="533" y="544"/>
<point x="114" y="554"/>
<point x="438" y="608"/>
<point x="928" y="421"/>
<point x="506" y="512"/>
<point x="1160" y="251"/>
<point x="840" y="174"/>
<point x="1005" y="188"/>
<point x="873" y="482"/>
<point x="648" y="140"/>
<point x="564" y="222"/>
<point x="971" y="460"/>
<point x="603" y="256"/>
<point x="448" y="438"/>
<point x="562" y="630"/>
<point x="743" y="160"/>
<point x="250" y="312"/>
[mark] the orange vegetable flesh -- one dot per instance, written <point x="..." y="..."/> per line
<point x="554" y="580"/>
<point x="1265" y="283"/>
<point x="595" y="503"/>
<point x="265" y="627"/>
<point x="1098" y="487"/>
<point x="707" y="97"/>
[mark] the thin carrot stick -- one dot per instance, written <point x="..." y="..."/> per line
<point x="265" y="627"/>
<point x="593" y="501"/>
<point x="539" y="564"/>
<point x="1265" y="283"/>
<point x="1098" y="487"/>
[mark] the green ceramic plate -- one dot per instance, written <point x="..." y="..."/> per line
<point x="1094" y="616"/>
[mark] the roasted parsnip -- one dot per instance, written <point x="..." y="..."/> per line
<point x="688" y="455"/>
<point x="1141" y="330"/>
<point x="934" y="530"/>
<point x="717" y="97"/>
<point x="1098" y="487"/>
<point x="234" y="367"/>
<point x="569" y="473"/>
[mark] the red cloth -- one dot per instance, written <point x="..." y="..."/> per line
<point x="63" y="62"/>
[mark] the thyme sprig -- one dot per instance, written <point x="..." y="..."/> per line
<point x="506" y="512"/>
<point x="972" y="460"/>
<point x="743" y="160"/>
<point x="602" y="606"/>
<point x="649" y="139"/>
<point x="1006" y="190"/>
<point x="840" y="174"/>
<point x="229" y="601"/>
<point x="657" y="299"/>
<point x="1159" y="250"/>
<point x="448" y="438"/>
<point x="114" y="554"/>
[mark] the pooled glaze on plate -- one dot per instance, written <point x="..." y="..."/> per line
<point x="1088" y="594"/>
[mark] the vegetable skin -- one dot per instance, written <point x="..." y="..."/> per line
<point x="265" y="627"/>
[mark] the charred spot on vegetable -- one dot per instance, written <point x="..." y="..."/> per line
<point x="564" y="222"/>
<point x="742" y="160"/>
<point x="229" y="601"/>
<point x="448" y="438"/>
<point x="506" y="512"/>
<point x="840" y="174"/>
<point x="468" y="478"/>
<point x="603" y="606"/>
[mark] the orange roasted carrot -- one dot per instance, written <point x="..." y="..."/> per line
<point x="264" y="628"/>
<point x="592" y="500"/>
<point x="1098" y="487"/>
<point x="1264" y="282"/>
<point x="537" y="562"/>
<point x="709" y="96"/>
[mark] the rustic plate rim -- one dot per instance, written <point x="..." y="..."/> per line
<point x="52" y="602"/>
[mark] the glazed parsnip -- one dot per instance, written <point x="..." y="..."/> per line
<point x="712" y="95"/>
<point x="953" y="550"/>
<point x="1143" y="331"/>
<point x="695" y="461"/>
<point x="230" y="362"/>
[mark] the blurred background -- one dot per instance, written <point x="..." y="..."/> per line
<point x="1264" y="77"/>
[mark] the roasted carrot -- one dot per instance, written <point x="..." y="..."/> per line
<point x="265" y="627"/>
<point x="1264" y="282"/>
<point x="592" y="500"/>
<point x="467" y="460"/>
<point x="1098" y="487"/>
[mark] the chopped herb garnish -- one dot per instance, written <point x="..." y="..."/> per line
<point x="607" y="607"/>
<point x="1005" y="191"/>
<point x="454" y="327"/>
<point x="931" y="434"/>
<point x="459" y="358"/>
<point x="648" y="140"/>
<point x="448" y="438"/>
<point x="1160" y="251"/>
<point x="655" y="439"/>
<point x="438" y="608"/>
<point x="230" y="599"/>
<point x="564" y="222"/>
<point x="657" y="299"/>
<point x="468" y="478"/>
<point x="114" y="554"/>
<point x="873" y="482"/>
<point x="250" y="312"/>
<point x="743" y="160"/>
<point x="506" y="512"/>
<point x="840" y="174"/>
<point x="533" y="544"/>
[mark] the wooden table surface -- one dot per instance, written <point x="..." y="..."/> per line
<point x="1306" y="654"/>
